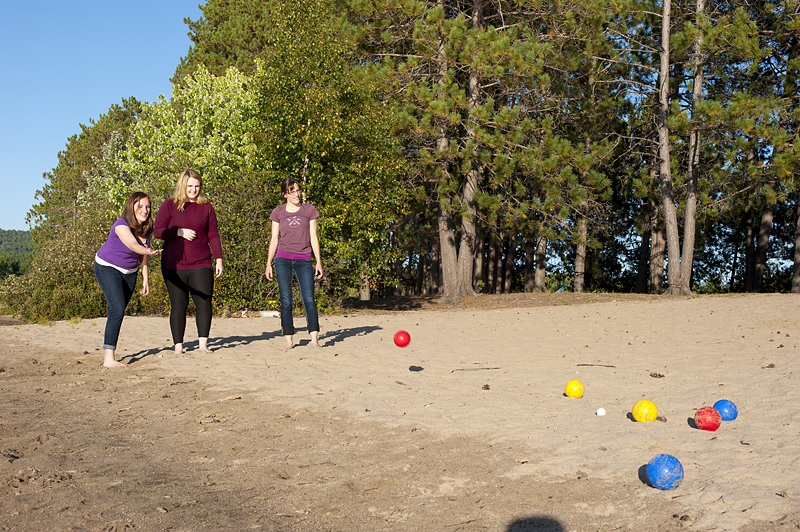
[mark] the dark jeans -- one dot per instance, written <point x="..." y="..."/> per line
<point x="180" y="283"/>
<point x="118" y="288"/>
<point x="304" y="271"/>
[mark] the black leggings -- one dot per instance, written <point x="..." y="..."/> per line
<point x="181" y="283"/>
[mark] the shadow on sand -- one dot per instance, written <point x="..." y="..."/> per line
<point x="539" y="523"/>
<point x="392" y="303"/>
<point x="327" y="339"/>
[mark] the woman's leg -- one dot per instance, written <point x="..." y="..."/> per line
<point x="304" y="271"/>
<point x="117" y="289"/>
<point x="283" y="274"/>
<point x="179" y="301"/>
<point x="201" y="286"/>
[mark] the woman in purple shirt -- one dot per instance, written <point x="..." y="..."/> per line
<point x="187" y="223"/>
<point x="117" y="263"/>
<point x="296" y="224"/>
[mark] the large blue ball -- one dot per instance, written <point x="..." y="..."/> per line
<point x="727" y="410"/>
<point x="664" y="472"/>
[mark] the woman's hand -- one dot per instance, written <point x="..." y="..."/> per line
<point x="319" y="272"/>
<point x="152" y="252"/>
<point x="188" y="234"/>
<point x="145" y="288"/>
<point x="218" y="269"/>
<point x="268" y="272"/>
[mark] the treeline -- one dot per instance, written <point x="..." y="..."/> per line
<point x="15" y="252"/>
<point x="455" y="147"/>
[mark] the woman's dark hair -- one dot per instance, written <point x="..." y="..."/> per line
<point x="141" y="230"/>
<point x="287" y="184"/>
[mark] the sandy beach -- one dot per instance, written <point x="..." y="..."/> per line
<point x="465" y="429"/>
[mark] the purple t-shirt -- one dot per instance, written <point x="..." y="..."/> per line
<point x="295" y="236"/>
<point x="116" y="253"/>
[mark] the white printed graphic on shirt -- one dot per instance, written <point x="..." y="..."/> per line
<point x="294" y="221"/>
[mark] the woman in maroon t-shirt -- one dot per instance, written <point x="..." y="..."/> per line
<point x="294" y="239"/>
<point x="187" y="224"/>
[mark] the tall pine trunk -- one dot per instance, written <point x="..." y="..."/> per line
<point x="762" y="246"/>
<point x="458" y="263"/>
<point x="643" y="263"/>
<point x="491" y="264"/>
<point x="466" y="253"/>
<point x="508" y="276"/>
<point x="749" y="253"/>
<point x="434" y="273"/>
<point x="541" y="263"/>
<point x="530" y="258"/>
<point x="579" y="284"/>
<point x="447" y="232"/>
<point x="580" y="249"/>
<point x="420" y="280"/>
<point x="690" y="216"/>
<point x="480" y="257"/>
<point x="498" y="265"/>
<point x="657" y="251"/>
<point x="665" y="171"/>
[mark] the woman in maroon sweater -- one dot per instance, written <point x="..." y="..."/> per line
<point x="187" y="224"/>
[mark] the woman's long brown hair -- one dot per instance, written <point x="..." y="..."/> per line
<point x="141" y="230"/>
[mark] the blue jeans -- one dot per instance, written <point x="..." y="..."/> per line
<point x="304" y="271"/>
<point x="118" y="288"/>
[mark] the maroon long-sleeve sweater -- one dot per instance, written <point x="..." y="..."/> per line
<point x="179" y="253"/>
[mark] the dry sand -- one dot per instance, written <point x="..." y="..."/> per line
<point x="467" y="428"/>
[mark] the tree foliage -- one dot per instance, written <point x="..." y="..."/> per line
<point x="459" y="146"/>
<point x="15" y="252"/>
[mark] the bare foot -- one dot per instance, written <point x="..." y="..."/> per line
<point x="289" y="338"/>
<point x="179" y="349"/>
<point x="315" y="340"/>
<point x="203" y="345"/>
<point x="110" y="359"/>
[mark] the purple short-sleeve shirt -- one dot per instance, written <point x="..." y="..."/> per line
<point x="116" y="253"/>
<point x="295" y="235"/>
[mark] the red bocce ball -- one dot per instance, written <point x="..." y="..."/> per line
<point x="401" y="338"/>
<point x="707" y="418"/>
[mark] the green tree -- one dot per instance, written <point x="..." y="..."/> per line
<point x="483" y="87"/>
<point x="209" y="124"/>
<point x="322" y="122"/>
<point x="306" y="111"/>
<point x="230" y="33"/>
<point x="70" y="224"/>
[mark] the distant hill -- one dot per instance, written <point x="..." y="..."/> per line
<point x="14" y="242"/>
<point x="15" y="252"/>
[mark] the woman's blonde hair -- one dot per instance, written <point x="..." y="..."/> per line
<point x="179" y="196"/>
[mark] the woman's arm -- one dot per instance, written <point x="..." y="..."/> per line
<point x="273" y="248"/>
<point x="145" y="276"/>
<point x="312" y="228"/>
<point x="126" y="237"/>
<point x="161" y="227"/>
<point x="214" y="241"/>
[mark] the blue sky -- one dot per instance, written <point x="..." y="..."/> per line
<point x="65" y="63"/>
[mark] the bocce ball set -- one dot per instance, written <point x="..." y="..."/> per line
<point x="664" y="471"/>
